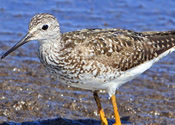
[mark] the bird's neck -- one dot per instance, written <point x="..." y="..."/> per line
<point x="53" y="42"/>
<point x="48" y="49"/>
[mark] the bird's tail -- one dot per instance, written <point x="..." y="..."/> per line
<point x="162" y="41"/>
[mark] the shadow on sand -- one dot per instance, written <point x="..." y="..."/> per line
<point x="63" y="121"/>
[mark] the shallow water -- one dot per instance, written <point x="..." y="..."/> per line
<point x="29" y="95"/>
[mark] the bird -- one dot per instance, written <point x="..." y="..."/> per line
<point x="96" y="59"/>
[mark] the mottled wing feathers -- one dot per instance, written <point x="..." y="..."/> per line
<point x="162" y="41"/>
<point x="117" y="48"/>
<point x="120" y="50"/>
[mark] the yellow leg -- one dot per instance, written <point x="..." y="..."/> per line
<point x="100" y="109"/>
<point x="116" y="114"/>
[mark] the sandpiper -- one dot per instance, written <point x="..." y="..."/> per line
<point x="96" y="59"/>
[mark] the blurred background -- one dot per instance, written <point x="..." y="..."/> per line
<point x="29" y="95"/>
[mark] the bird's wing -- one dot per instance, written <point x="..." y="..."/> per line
<point x="117" y="48"/>
<point x="124" y="49"/>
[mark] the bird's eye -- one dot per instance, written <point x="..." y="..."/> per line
<point x="45" y="27"/>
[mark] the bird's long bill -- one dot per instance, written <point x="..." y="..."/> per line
<point x="24" y="40"/>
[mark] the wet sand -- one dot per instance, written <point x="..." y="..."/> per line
<point x="30" y="95"/>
